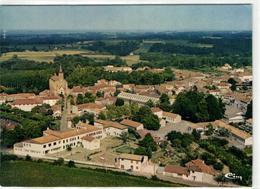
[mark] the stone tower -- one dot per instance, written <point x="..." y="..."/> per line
<point x="58" y="85"/>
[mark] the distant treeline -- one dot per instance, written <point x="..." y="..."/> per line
<point x="159" y="60"/>
<point x="121" y="48"/>
<point x="220" y="47"/>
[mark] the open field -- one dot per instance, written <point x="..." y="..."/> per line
<point x="24" y="173"/>
<point x="40" y="56"/>
<point x="48" y="56"/>
<point x="131" y="59"/>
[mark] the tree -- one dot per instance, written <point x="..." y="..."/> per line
<point x="168" y="74"/>
<point x="59" y="161"/>
<point x="102" y="116"/>
<point x="80" y="99"/>
<point x="208" y="158"/>
<point x="124" y="137"/>
<point x="44" y="109"/>
<point x="28" y="158"/>
<point x="151" y="122"/>
<point x="150" y="103"/>
<point x="148" y="142"/>
<point x="249" y="110"/>
<point x="143" y="151"/>
<point x="214" y="108"/>
<point x="218" y="166"/>
<point x="71" y="163"/>
<point x="87" y="117"/>
<point x="209" y="130"/>
<point x="100" y="94"/>
<point x="165" y="102"/>
<point x="75" y="120"/>
<point x="196" y="134"/>
<point x="198" y="107"/>
<point x="119" y="102"/>
<point x="142" y="113"/>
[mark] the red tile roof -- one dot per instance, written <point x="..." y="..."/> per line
<point x="130" y="123"/>
<point x="176" y="169"/>
<point x="199" y="166"/>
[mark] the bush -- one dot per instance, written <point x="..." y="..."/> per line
<point x="39" y="161"/>
<point x="8" y="157"/>
<point x="71" y="164"/>
<point x="59" y="161"/>
<point x="218" y="166"/>
<point x="28" y="158"/>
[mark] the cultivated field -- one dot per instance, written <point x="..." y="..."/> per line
<point x="40" y="56"/>
<point x="24" y="173"/>
<point x="48" y="56"/>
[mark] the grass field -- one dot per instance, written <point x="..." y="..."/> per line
<point x="24" y="173"/>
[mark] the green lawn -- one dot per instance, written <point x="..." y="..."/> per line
<point x="25" y="173"/>
<point x="125" y="149"/>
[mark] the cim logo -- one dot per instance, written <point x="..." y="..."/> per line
<point x="232" y="176"/>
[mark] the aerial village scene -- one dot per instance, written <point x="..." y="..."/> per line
<point x="153" y="108"/>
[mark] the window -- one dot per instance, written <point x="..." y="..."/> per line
<point x="49" y="144"/>
<point x="54" y="143"/>
<point x="78" y="137"/>
<point x="63" y="141"/>
<point x="44" y="146"/>
<point x="136" y="167"/>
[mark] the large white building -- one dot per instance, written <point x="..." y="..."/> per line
<point x="136" y="98"/>
<point x="26" y="104"/>
<point x="238" y="135"/>
<point x="56" y="141"/>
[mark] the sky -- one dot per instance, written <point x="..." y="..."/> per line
<point x="129" y="18"/>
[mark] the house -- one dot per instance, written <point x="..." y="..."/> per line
<point x="26" y="104"/>
<point x="238" y="135"/>
<point x="166" y="117"/>
<point x="195" y="170"/>
<point x="223" y="86"/>
<point x="106" y="101"/>
<point x="110" y="68"/>
<point x="89" y="108"/>
<point x="111" y="128"/>
<point x="176" y="171"/>
<point x="51" y="100"/>
<point x="57" y="141"/>
<point x="171" y="118"/>
<point x="157" y="111"/>
<point x="132" y="124"/>
<point x="76" y="90"/>
<point x="131" y="162"/>
<point x="236" y="119"/>
<point x="200" y="172"/>
<point x="56" y="110"/>
<point x="135" y="98"/>
<point x="90" y="143"/>
<point x="226" y="67"/>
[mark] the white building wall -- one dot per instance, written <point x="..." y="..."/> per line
<point x="26" y="107"/>
<point x="91" y="145"/>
